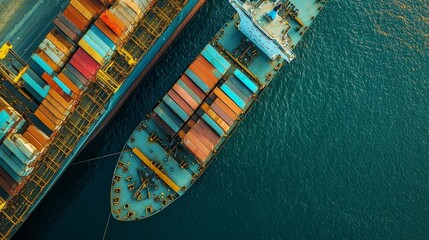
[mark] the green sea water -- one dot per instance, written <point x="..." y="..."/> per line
<point x="336" y="148"/>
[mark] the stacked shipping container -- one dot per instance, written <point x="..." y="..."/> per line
<point x="85" y="37"/>
<point x="199" y="108"/>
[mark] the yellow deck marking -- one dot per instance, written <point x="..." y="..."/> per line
<point x="158" y="172"/>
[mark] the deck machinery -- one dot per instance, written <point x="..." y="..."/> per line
<point x="172" y="147"/>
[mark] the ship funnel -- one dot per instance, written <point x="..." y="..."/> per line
<point x="273" y="13"/>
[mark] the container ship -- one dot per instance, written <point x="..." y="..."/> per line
<point x="172" y="147"/>
<point x="52" y="105"/>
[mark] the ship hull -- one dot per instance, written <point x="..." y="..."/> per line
<point x="173" y="146"/>
<point x="120" y="96"/>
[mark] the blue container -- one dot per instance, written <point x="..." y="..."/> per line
<point x="75" y="76"/>
<point x="243" y="89"/>
<point x="42" y="64"/>
<point x="237" y="91"/>
<point x="189" y="91"/>
<point x="219" y="62"/>
<point x="175" y="107"/>
<point x="246" y="81"/>
<point x="42" y="91"/>
<point x="237" y="100"/>
<point x="62" y="86"/>
<point x="15" y="150"/>
<point x="213" y="125"/>
<point x="20" y="172"/>
<point x="99" y="42"/>
<point x="9" y="170"/>
<point x="18" y="165"/>
<point x="168" y="118"/>
<point x="103" y="37"/>
<point x="95" y="47"/>
<point x="200" y="83"/>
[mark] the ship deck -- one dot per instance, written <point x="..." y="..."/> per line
<point x="159" y="161"/>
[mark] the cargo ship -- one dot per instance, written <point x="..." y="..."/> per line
<point x="83" y="70"/>
<point x="173" y="146"/>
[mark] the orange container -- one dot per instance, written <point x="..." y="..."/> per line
<point x="82" y="9"/>
<point x="197" y="142"/>
<point x="64" y="79"/>
<point x="194" y="150"/>
<point x="78" y="15"/>
<point x="107" y="31"/>
<point x="201" y="75"/>
<point x="59" y="99"/>
<point x="75" y="20"/>
<point x="33" y="141"/>
<point x="55" y="104"/>
<point x="113" y="22"/>
<point x="213" y="115"/>
<point x="220" y="94"/>
<point x="179" y="101"/>
<point x="193" y="86"/>
<point x="53" y="110"/>
<point x="209" y="145"/>
<point x="207" y="68"/>
<point x="50" y="81"/>
<point x="185" y="96"/>
<point x="38" y="135"/>
<point x="45" y="120"/>
<point x="203" y="129"/>
<point x="49" y="114"/>
<point x="226" y="109"/>
<point x="58" y="44"/>
<point x="48" y="60"/>
<point x="222" y="114"/>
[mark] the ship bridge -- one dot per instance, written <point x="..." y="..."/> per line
<point x="263" y="24"/>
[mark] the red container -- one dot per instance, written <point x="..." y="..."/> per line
<point x="48" y="79"/>
<point x="112" y="22"/>
<point x="193" y="86"/>
<point x="209" y="145"/>
<point x="220" y="94"/>
<point x="78" y="15"/>
<point x="69" y="33"/>
<point x="182" y="104"/>
<point x="226" y="109"/>
<point x="77" y="62"/>
<point x="185" y="96"/>
<point x="202" y="128"/>
<point x="163" y="124"/>
<point x="74" y="20"/>
<point x="91" y="65"/>
<point x="194" y="150"/>
<point x="219" y="111"/>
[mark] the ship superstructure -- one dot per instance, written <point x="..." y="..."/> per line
<point x="82" y="71"/>
<point x="172" y="147"/>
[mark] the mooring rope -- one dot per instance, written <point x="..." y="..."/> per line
<point x="96" y="158"/>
